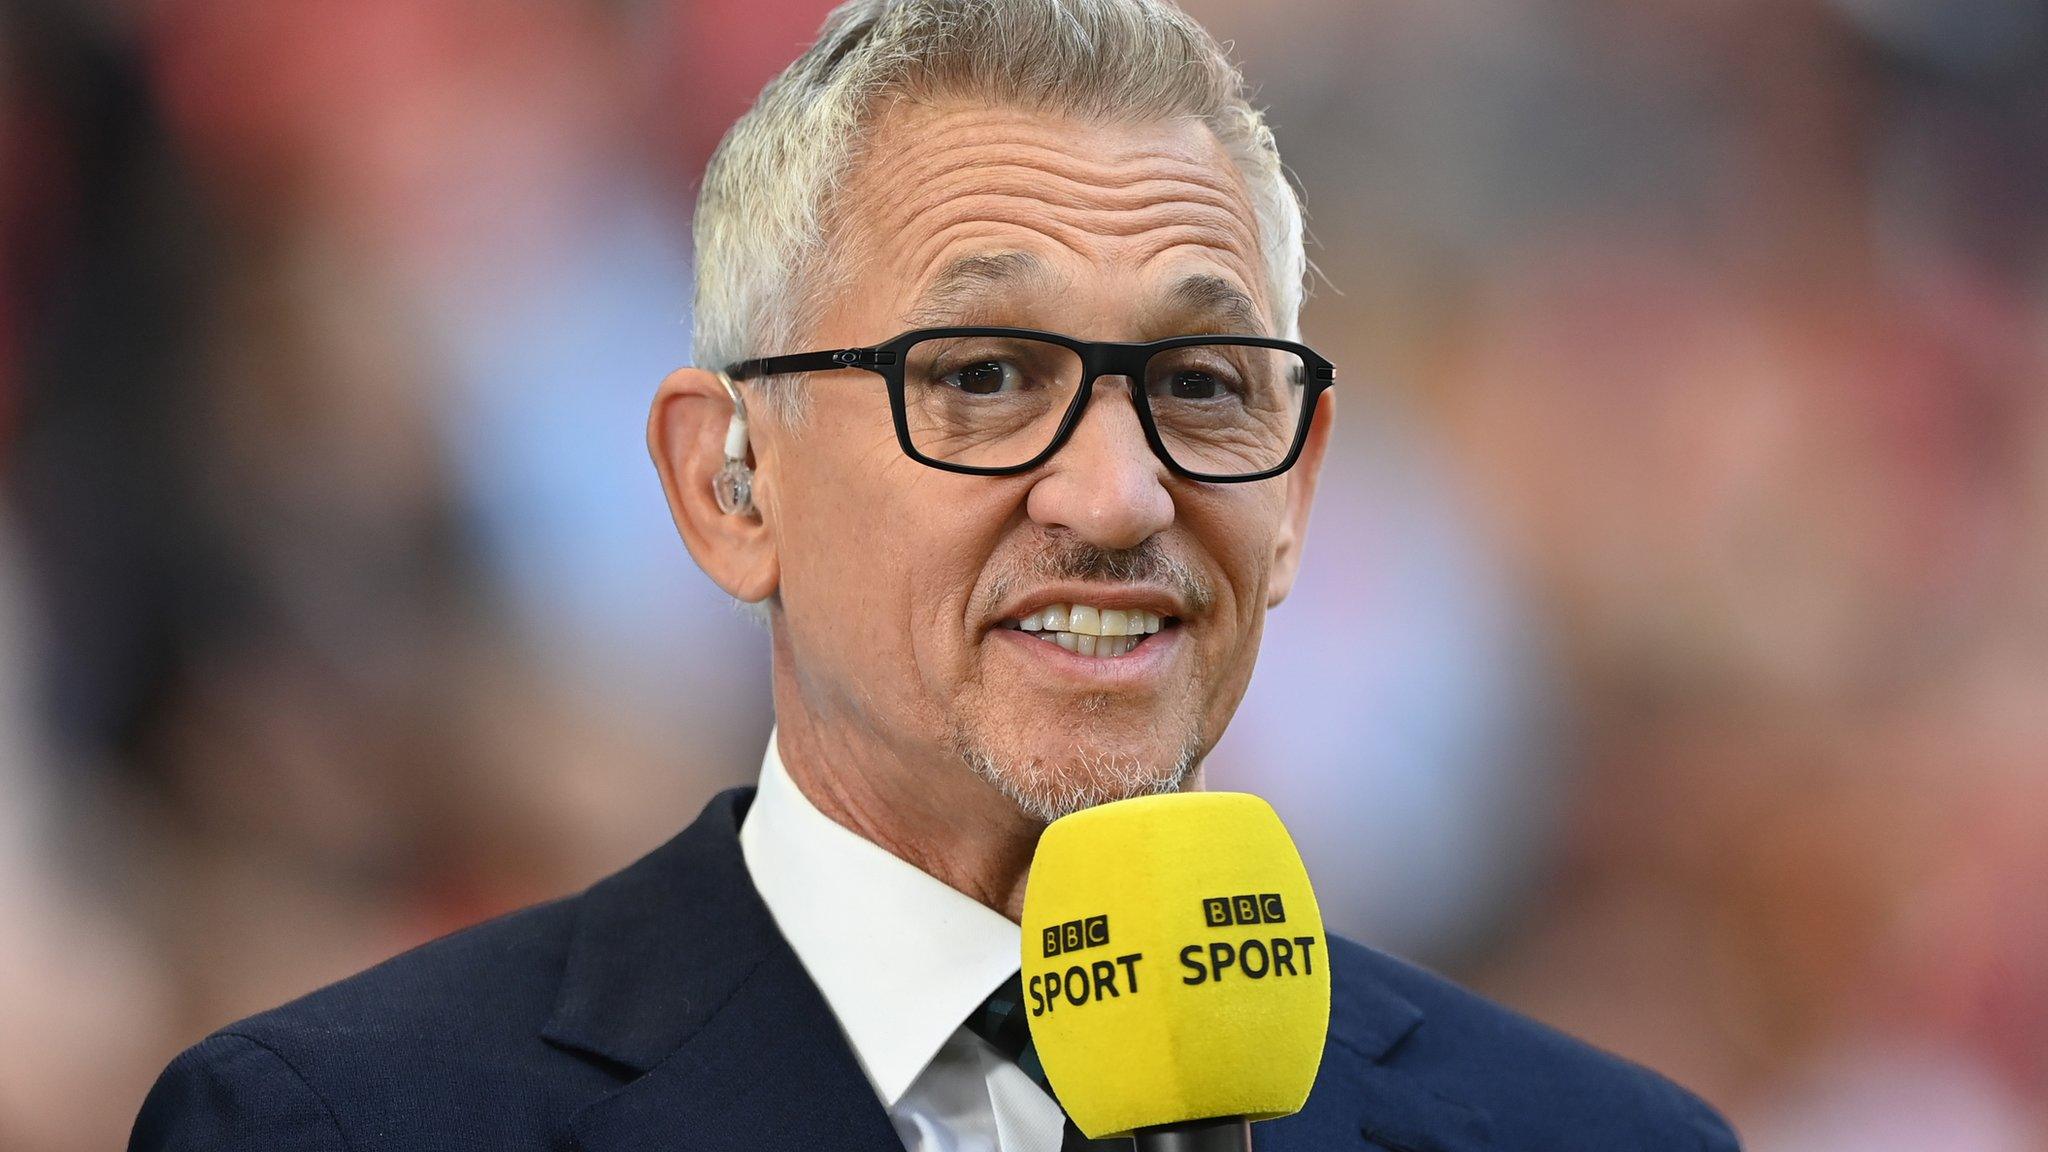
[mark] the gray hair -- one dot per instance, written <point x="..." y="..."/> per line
<point x="763" y="214"/>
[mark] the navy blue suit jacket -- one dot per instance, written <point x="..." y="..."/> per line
<point x="661" y="1009"/>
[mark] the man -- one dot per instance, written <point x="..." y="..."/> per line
<point x="1004" y="429"/>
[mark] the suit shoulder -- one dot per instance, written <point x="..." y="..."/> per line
<point x="444" y="1038"/>
<point x="1529" y="1076"/>
<point x="491" y="979"/>
<point x="228" y="1093"/>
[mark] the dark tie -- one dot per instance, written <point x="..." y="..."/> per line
<point x="1000" y="1021"/>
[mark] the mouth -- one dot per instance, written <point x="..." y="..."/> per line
<point x="1092" y="630"/>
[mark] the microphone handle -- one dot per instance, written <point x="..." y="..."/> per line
<point x="1229" y="1134"/>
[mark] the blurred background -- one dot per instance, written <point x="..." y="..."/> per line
<point x="1671" y="660"/>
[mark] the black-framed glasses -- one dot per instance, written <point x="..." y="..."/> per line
<point x="998" y="401"/>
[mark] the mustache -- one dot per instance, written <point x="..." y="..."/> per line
<point x="1065" y="559"/>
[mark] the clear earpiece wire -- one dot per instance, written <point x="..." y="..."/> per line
<point x="733" y="486"/>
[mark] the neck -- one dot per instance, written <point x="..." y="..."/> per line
<point x="921" y="804"/>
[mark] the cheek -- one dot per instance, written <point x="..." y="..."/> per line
<point x="837" y="479"/>
<point x="1238" y="527"/>
<point x="950" y="529"/>
<point x="837" y="546"/>
<point x="882" y="556"/>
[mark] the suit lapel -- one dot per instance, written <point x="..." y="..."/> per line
<point x="769" y="1070"/>
<point x="1361" y="1099"/>
<point x="677" y="973"/>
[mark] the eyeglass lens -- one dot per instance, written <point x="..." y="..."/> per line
<point x="997" y="401"/>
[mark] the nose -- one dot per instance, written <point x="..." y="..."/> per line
<point x="1104" y="484"/>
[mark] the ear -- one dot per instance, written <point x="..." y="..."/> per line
<point x="686" y="436"/>
<point x="1301" y="492"/>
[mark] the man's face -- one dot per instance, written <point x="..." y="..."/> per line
<point x="903" y="586"/>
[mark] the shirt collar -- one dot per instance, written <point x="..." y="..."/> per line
<point x="901" y="957"/>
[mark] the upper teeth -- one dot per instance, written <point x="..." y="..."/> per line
<point x="1088" y="620"/>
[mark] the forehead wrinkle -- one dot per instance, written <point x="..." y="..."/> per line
<point x="1169" y="242"/>
<point x="1058" y="188"/>
<point x="940" y="137"/>
<point x="1034" y="193"/>
<point x="1153" y="243"/>
<point x="1163" y="221"/>
<point x="1040" y="164"/>
<point x="934" y="161"/>
<point x="1158" y="226"/>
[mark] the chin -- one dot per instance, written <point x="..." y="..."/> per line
<point x="1048" y="783"/>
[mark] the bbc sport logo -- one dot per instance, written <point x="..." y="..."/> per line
<point x="1252" y="908"/>
<point x="1074" y="935"/>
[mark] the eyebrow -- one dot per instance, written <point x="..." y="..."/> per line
<point x="982" y="282"/>
<point x="973" y="283"/>
<point x="1216" y="298"/>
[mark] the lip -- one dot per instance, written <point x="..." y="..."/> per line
<point x="1147" y="662"/>
<point x="1150" y="597"/>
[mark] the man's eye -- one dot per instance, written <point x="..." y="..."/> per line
<point x="1192" y="385"/>
<point x="985" y="378"/>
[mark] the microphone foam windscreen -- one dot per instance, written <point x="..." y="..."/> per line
<point x="1175" y="967"/>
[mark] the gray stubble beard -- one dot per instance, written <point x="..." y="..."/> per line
<point x="1098" y="778"/>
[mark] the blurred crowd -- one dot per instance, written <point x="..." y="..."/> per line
<point x="1671" y="659"/>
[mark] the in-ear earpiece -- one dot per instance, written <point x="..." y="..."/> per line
<point x="733" y="486"/>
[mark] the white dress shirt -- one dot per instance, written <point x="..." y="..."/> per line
<point x="902" y="960"/>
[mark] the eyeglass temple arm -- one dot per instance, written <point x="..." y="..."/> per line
<point x="810" y="362"/>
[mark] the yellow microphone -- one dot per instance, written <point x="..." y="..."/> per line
<point x="1176" y="975"/>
